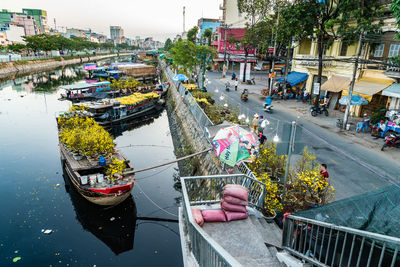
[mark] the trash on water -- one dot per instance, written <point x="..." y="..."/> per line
<point x="47" y="231"/>
<point x="16" y="259"/>
<point x="57" y="185"/>
<point x="112" y="218"/>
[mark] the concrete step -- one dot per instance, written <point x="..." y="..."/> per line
<point x="273" y="234"/>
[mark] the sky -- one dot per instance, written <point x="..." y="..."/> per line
<point x="157" y="18"/>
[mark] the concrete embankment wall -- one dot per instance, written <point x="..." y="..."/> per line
<point x="11" y="69"/>
<point x="187" y="133"/>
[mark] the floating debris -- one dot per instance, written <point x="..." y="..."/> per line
<point x="47" y="231"/>
<point x="16" y="259"/>
<point x="112" y="218"/>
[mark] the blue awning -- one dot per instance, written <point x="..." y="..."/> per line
<point x="392" y="91"/>
<point x="294" y="78"/>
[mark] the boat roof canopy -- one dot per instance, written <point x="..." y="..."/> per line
<point x="80" y="86"/>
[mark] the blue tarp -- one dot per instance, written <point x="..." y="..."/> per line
<point x="294" y="78"/>
<point x="392" y="91"/>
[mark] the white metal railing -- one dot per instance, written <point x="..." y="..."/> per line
<point x="325" y="244"/>
<point x="207" y="190"/>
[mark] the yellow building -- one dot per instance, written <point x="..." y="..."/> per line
<point x="336" y="75"/>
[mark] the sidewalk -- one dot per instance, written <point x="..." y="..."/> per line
<point x="302" y="110"/>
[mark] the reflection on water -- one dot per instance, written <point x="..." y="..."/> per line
<point x="32" y="200"/>
<point x="115" y="226"/>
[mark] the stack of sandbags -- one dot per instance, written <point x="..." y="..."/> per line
<point x="234" y="202"/>
<point x="233" y="206"/>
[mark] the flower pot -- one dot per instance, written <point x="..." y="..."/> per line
<point x="312" y="203"/>
<point x="269" y="217"/>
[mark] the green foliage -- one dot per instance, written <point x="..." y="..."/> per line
<point x="192" y="34"/>
<point x="379" y="115"/>
<point x="186" y="55"/>
<point x="16" y="47"/>
<point x="46" y="42"/>
<point x="395" y="7"/>
<point x="168" y="44"/>
<point x="268" y="162"/>
<point x="207" y="35"/>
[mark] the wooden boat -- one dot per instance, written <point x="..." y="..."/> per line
<point x="111" y="111"/>
<point x="80" y="171"/>
<point x="87" y="91"/>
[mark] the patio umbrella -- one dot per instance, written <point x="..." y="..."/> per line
<point x="356" y="100"/>
<point x="180" y="77"/>
<point x="233" y="144"/>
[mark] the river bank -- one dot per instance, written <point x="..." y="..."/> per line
<point x="11" y="69"/>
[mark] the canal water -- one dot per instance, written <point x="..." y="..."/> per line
<point x="36" y="196"/>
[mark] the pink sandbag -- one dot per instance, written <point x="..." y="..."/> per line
<point x="213" y="215"/>
<point x="236" y="186"/>
<point x="236" y="191"/>
<point x="197" y="216"/>
<point x="235" y="201"/>
<point x="232" y="207"/>
<point x="233" y="216"/>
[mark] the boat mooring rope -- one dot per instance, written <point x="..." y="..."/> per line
<point x="155" y="204"/>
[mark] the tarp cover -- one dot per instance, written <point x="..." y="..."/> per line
<point x="377" y="211"/>
<point x="294" y="78"/>
<point x="392" y="91"/>
<point x="336" y="84"/>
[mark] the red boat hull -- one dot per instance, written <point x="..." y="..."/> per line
<point x="114" y="190"/>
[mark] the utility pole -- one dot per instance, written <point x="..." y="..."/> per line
<point x="288" y="55"/>
<point x="289" y="155"/>
<point x="273" y="56"/>
<point x="225" y="65"/>
<point x="184" y="12"/>
<point x="353" y="79"/>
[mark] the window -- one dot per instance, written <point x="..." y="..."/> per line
<point x="394" y="50"/>
<point x="379" y="50"/>
<point x="343" y="49"/>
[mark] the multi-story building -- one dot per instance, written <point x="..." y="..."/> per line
<point x="231" y="15"/>
<point x="116" y="32"/>
<point x="371" y="79"/>
<point x="40" y="17"/>
<point x="73" y="32"/>
<point x="14" y="33"/>
<point x="20" y="19"/>
<point x="205" y="24"/>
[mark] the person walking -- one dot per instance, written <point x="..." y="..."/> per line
<point x="255" y="123"/>
<point x="260" y="125"/>
<point x="236" y="84"/>
<point x="324" y="175"/>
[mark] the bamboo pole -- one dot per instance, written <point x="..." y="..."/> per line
<point x="167" y="163"/>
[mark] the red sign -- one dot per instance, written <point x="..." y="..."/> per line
<point x="232" y="48"/>
<point x="270" y="50"/>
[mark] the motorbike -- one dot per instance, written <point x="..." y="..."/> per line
<point x="319" y="110"/>
<point x="391" y="140"/>
<point x="245" y="95"/>
<point x="251" y="81"/>
<point x="227" y="87"/>
<point x="268" y="108"/>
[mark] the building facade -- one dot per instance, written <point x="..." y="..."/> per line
<point x="371" y="79"/>
<point x="231" y="15"/>
<point x="205" y="24"/>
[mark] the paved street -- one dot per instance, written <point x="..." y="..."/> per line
<point x="353" y="168"/>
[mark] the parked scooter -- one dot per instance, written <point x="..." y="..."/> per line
<point x="251" y="81"/>
<point x="227" y="86"/>
<point x="391" y="140"/>
<point x="319" y="110"/>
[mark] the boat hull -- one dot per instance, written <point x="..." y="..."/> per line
<point x="98" y="198"/>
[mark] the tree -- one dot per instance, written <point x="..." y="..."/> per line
<point x="207" y="34"/>
<point x="168" y="44"/>
<point x="255" y="11"/>
<point x="395" y="7"/>
<point x="192" y="34"/>
<point x="15" y="47"/>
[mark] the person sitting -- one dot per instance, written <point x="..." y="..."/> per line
<point x="379" y="129"/>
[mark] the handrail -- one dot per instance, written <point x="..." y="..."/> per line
<point x="326" y="244"/>
<point x="206" y="251"/>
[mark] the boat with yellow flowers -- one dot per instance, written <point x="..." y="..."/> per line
<point x="94" y="166"/>
<point x="111" y="111"/>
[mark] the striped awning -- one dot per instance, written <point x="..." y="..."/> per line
<point x="336" y="84"/>
<point x="392" y="91"/>
<point x="367" y="87"/>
